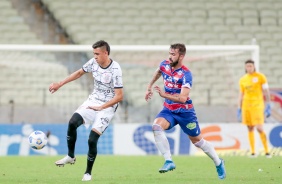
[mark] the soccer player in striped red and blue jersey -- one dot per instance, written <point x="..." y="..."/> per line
<point x="178" y="108"/>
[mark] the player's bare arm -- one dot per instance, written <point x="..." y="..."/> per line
<point x="116" y="99"/>
<point x="180" y="98"/>
<point x="75" y="75"/>
<point x="149" y="91"/>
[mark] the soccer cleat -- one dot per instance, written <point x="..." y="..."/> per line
<point x="221" y="170"/>
<point x="267" y="155"/>
<point x="168" y="166"/>
<point x="66" y="160"/>
<point x="86" y="177"/>
<point x="253" y="155"/>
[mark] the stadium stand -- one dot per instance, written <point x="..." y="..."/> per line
<point x="25" y="76"/>
<point x="131" y="22"/>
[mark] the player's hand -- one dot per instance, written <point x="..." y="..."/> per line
<point x="239" y="115"/>
<point x="54" y="87"/>
<point x="267" y="110"/>
<point x="149" y="94"/>
<point x="158" y="90"/>
<point x="95" y="108"/>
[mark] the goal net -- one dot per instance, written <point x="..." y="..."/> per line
<point x="27" y="71"/>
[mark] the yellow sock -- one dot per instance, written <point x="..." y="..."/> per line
<point x="264" y="142"/>
<point x="252" y="141"/>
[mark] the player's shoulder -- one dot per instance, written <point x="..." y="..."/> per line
<point x="115" y="65"/>
<point x="244" y="77"/>
<point x="260" y="74"/>
<point x="164" y="62"/>
<point x="92" y="61"/>
<point x="88" y="65"/>
<point x="185" y="68"/>
<point x="164" y="65"/>
<point x="261" y="77"/>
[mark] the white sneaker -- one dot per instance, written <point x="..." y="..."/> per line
<point x="86" y="177"/>
<point x="267" y="155"/>
<point x="66" y="160"/>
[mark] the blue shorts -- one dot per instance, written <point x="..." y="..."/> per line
<point x="186" y="120"/>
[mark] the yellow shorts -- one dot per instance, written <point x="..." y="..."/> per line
<point x="252" y="117"/>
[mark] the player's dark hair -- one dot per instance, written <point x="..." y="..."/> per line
<point x="181" y="48"/>
<point x="249" y="61"/>
<point x="102" y="43"/>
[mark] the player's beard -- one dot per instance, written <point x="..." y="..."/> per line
<point x="173" y="63"/>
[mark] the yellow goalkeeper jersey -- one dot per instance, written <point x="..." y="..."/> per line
<point x="251" y="87"/>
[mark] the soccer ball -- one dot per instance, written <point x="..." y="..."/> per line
<point x="37" y="140"/>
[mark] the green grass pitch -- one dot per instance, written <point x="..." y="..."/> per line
<point x="140" y="170"/>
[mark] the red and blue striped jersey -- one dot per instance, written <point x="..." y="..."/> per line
<point x="174" y="80"/>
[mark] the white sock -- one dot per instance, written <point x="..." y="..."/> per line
<point x="209" y="150"/>
<point x="161" y="141"/>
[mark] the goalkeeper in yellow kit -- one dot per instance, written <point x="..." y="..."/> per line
<point x="251" y="108"/>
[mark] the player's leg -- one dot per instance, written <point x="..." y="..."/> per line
<point x="75" y="121"/>
<point x="263" y="140"/>
<point x="92" y="153"/>
<point x="248" y="120"/>
<point x="160" y="124"/>
<point x="209" y="150"/>
<point x="251" y="137"/>
<point x="257" y="119"/>
<point x="100" y="124"/>
<point x="189" y="124"/>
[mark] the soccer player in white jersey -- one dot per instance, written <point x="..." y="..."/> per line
<point x="178" y="109"/>
<point x="99" y="108"/>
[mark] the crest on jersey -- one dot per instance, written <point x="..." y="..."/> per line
<point x="255" y="80"/>
<point x="106" y="78"/>
<point x="180" y="72"/>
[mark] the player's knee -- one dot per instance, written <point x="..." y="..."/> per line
<point x="75" y="121"/>
<point x="93" y="139"/>
<point x="251" y="128"/>
<point x="92" y="143"/>
<point x="200" y="143"/>
<point x="156" y="127"/>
